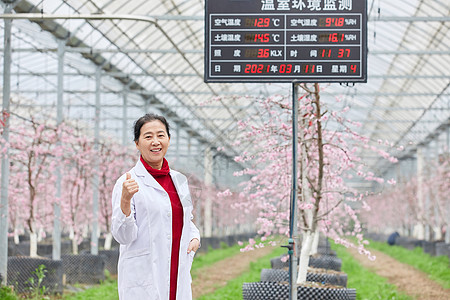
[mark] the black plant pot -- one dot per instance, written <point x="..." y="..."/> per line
<point x="325" y="262"/>
<point x="443" y="249"/>
<point x="406" y="242"/>
<point x="20" y="269"/>
<point x="318" y="261"/>
<point x="281" y="275"/>
<point x="277" y="263"/>
<point x="428" y="247"/>
<point x="326" y="251"/>
<point x="85" y="268"/>
<point x="22" y="249"/>
<point x="280" y="291"/>
<point x="111" y="259"/>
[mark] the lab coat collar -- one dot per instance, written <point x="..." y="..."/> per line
<point x="148" y="179"/>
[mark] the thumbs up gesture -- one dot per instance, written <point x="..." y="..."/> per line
<point x="129" y="188"/>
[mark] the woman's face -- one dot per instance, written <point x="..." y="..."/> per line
<point x="153" y="143"/>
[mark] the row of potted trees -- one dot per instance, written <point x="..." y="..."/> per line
<point x="324" y="279"/>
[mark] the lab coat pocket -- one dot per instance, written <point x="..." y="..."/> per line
<point x="137" y="268"/>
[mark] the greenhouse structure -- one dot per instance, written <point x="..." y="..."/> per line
<point x="322" y="126"/>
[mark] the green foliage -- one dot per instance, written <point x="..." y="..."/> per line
<point x="108" y="277"/>
<point x="223" y="245"/>
<point x="106" y="291"/>
<point x="37" y="290"/>
<point x="437" y="267"/>
<point x="368" y="285"/>
<point x="6" y="293"/>
<point x="233" y="289"/>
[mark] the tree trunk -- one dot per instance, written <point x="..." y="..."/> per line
<point x="74" y="240"/>
<point x="315" y="243"/>
<point x="108" y="241"/>
<point x="16" y="236"/>
<point x="40" y="235"/>
<point x="419" y="231"/>
<point x="74" y="246"/>
<point x="85" y="231"/>
<point x="33" y="244"/>
<point x="304" y="256"/>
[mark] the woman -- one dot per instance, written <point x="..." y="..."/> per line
<point x="152" y="221"/>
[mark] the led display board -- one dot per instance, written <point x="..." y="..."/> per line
<point x="286" y="41"/>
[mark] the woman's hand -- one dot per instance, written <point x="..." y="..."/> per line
<point x="194" y="244"/>
<point x="129" y="188"/>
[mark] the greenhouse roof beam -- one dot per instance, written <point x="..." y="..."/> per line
<point x="409" y="19"/>
<point x="125" y="74"/>
<point x="379" y="94"/>
<point x="169" y="17"/>
<point x="234" y="107"/>
<point x="409" y="52"/>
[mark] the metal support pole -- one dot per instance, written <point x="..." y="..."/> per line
<point x="177" y="142"/>
<point x="94" y="233"/>
<point x="293" y="209"/>
<point x="189" y="160"/>
<point x="5" y="159"/>
<point x="56" y="250"/>
<point x="125" y="117"/>
<point x="146" y="105"/>
<point x="447" y="231"/>
<point x="197" y="192"/>
<point x="426" y="195"/>
<point x="420" y="192"/>
<point x="208" y="181"/>
<point x="436" y="235"/>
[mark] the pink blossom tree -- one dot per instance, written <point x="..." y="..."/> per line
<point x="77" y="171"/>
<point x="405" y="210"/>
<point x="328" y="151"/>
<point x="31" y="149"/>
<point x="437" y="187"/>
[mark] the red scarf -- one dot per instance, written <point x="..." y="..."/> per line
<point x="155" y="172"/>
<point x="163" y="178"/>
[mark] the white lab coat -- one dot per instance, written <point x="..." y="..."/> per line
<point x="145" y="238"/>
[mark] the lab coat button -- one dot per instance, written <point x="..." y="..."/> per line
<point x="168" y="214"/>
<point x="168" y="236"/>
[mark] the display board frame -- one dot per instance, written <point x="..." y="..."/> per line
<point x="314" y="44"/>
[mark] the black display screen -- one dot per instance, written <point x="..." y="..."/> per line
<point x="286" y="40"/>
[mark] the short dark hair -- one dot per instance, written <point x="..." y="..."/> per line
<point x="145" y="119"/>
